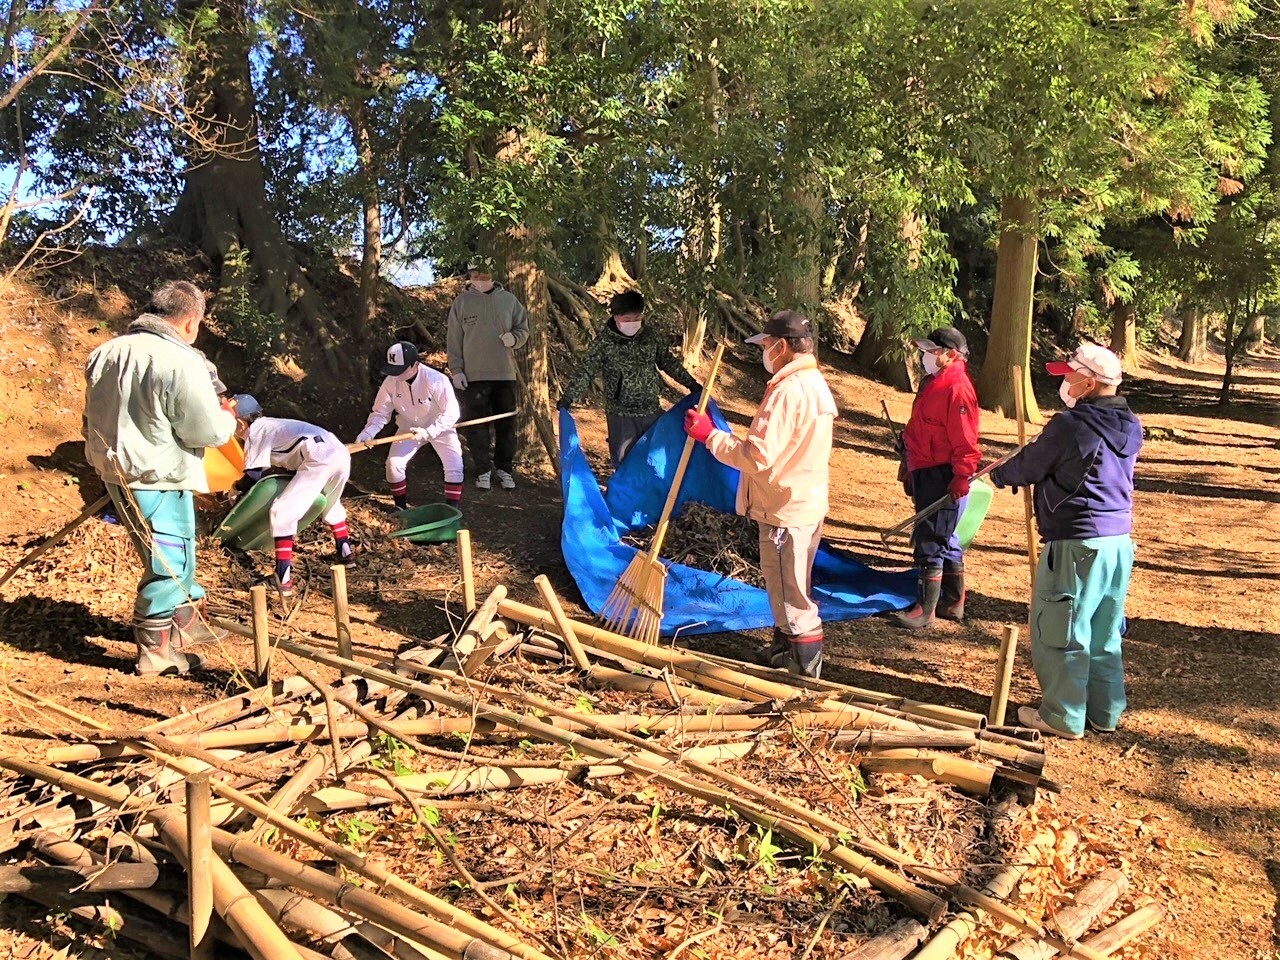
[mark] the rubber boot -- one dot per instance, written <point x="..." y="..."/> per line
<point x="921" y="615"/>
<point x="156" y="653"/>
<point x="780" y="644"/>
<point x="806" y="651"/>
<point x="951" y="603"/>
<point x="191" y="628"/>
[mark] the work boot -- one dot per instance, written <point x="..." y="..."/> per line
<point x="343" y="552"/>
<point x="921" y="615"/>
<point x="780" y="644"/>
<point x="157" y="655"/>
<point x="191" y="627"/>
<point x="483" y="481"/>
<point x="806" y="651"/>
<point x="951" y="604"/>
<point x="505" y="480"/>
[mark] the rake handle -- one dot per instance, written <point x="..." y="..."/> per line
<point x="664" y="520"/>
<point x="370" y="444"/>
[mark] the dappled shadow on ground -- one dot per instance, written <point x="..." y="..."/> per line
<point x="1151" y="395"/>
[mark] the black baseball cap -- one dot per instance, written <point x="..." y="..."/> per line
<point x="785" y="323"/>
<point x="400" y="357"/>
<point x="945" y="338"/>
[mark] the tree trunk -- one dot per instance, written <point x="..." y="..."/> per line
<point x="1124" y="335"/>
<point x="1193" y="344"/>
<point x="1009" y="342"/>
<point x="223" y="207"/>
<point x="800" y="283"/>
<point x="1254" y="332"/>
<point x="519" y="249"/>
<point x="371" y="252"/>
<point x="882" y="354"/>
<point x="1230" y="344"/>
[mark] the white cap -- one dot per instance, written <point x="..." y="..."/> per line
<point x="1097" y="361"/>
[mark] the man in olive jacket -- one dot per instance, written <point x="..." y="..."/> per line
<point x="627" y="356"/>
<point x="150" y="410"/>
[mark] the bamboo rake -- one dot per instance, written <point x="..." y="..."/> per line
<point x="635" y="606"/>
<point x="1020" y="402"/>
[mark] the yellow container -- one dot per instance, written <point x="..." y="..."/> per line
<point x="223" y="465"/>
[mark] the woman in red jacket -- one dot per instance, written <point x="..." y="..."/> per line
<point x="942" y="455"/>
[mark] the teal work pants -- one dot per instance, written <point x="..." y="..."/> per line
<point x="162" y="526"/>
<point x="1077" y="614"/>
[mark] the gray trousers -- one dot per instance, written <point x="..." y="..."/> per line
<point x="625" y="431"/>
<point x="786" y="562"/>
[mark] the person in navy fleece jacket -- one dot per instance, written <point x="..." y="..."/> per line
<point x="1081" y="469"/>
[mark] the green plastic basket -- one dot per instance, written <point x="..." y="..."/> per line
<point x="433" y="523"/>
<point x="975" y="511"/>
<point x="248" y="525"/>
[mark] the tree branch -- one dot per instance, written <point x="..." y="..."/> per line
<point x="54" y="52"/>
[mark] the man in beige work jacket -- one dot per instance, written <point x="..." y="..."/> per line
<point x="785" y="463"/>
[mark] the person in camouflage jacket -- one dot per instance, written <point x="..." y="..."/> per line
<point x="627" y="357"/>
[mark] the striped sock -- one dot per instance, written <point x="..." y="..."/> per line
<point x="452" y="493"/>
<point x="339" y="530"/>
<point x="284" y="558"/>
<point x="340" y="541"/>
<point x="400" y="492"/>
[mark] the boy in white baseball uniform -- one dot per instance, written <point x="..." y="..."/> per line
<point x="320" y="464"/>
<point x="424" y="404"/>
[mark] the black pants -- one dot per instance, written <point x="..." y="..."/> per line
<point x="491" y="444"/>
<point x="934" y="538"/>
<point x="624" y="431"/>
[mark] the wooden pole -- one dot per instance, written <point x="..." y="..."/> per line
<point x="562" y="622"/>
<point x="467" y="571"/>
<point x="341" y="617"/>
<point x="1028" y="507"/>
<point x="261" y="635"/>
<point x="1004" y="676"/>
<point x="200" y="866"/>
<point x="57" y="538"/>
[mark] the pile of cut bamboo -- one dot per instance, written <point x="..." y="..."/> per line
<point x="240" y="822"/>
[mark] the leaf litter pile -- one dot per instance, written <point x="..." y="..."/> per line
<point x="481" y="795"/>
<point x="703" y="537"/>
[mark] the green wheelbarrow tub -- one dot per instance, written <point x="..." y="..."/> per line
<point x="248" y="525"/>
<point x="433" y="523"/>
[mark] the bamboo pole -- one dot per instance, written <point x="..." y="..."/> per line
<point x="1004" y="676"/>
<point x="1129" y="928"/>
<point x="1028" y="508"/>
<point x="1073" y="920"/>
<point x="57" y="538"/>
<point x="466" y="570"/>
<point x="971" y="777"/>
<point x="894" y="944"/>
<point x="467" y="642"/>
<point x="435" y="906"/>
<point x="919" y="900"/>
<point x="239" y="629"/>
<point x="18" y="878"/>
<point x="562" y="622"/>
<point x="341" y="617"/>
<point x="261" y="634"/>
<point x="199" y="866"/>
<point x="641" y="683"/>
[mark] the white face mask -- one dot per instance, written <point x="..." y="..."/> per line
<point x="1064" y="391"/>
<point x="482" y="286"/>
<point x="628" y="328"/>
<point x="769" y="360"/>
<point x="930" y="363"/>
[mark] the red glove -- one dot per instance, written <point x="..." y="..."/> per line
<point x="698" y="425"/>
<point x="959" y="487"/>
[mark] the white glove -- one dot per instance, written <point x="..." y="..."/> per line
<point x="422" y="434"/>
<point x="460" y="381"/>
<point x="365" y="436"/>
<point x="508" y="340"/>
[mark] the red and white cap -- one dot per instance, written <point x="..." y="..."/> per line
<point x="1089" y="358"/>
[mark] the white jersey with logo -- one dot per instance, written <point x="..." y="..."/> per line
<point x="288" y="444"/>
<point x="427" y="401"/>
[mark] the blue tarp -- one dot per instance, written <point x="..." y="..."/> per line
<point x="696" y="601"/>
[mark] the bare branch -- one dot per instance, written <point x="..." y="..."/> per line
<point x="54" y="52"/>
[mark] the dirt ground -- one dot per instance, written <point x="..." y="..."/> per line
<point x="1187" y="788"/>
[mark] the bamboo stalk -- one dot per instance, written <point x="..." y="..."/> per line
<point x="1129" y="928"/>
<point x="643" y="683"/>
<point x="18" y="878"/>
<point x="199" y="866"/>
<point x="341" y="616"/>
<point x="231" y="626"/>
<point x="158" y="939"/>
<point x="872" y="740"/>
<point x="1004" y="674"/>
<point x="466" y="570"/>
<point x="919" y="900"/>
<point x="971" y="777"/>
<point x="894" y="944"/>
<point x="469" y="639"/>
<point x="1088" y="903"/>
<point x="437" y="907"/>
<point x="57" y="538"/>
<point x="492" y="639"/>
<point x="562" y="622"/>
<point x="261" y="634"/>
<point x="1020" y="403"/>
